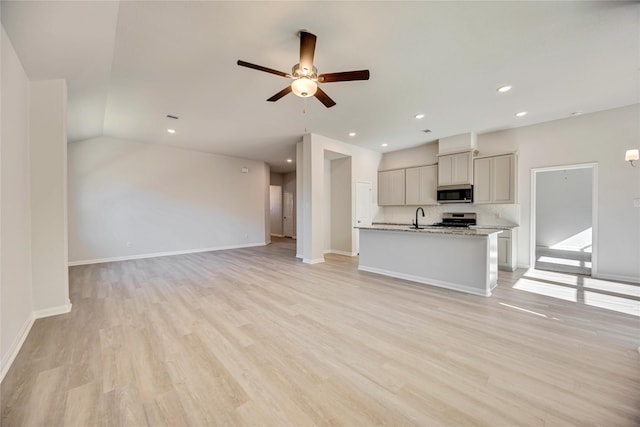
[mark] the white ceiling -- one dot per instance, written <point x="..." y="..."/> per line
<point x="128" y="64"/>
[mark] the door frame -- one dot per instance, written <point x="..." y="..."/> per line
<point x="356" y="232"/>
<point x="594" y="211"/>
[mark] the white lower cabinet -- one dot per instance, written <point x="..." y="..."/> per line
<point x="507" y="245"/>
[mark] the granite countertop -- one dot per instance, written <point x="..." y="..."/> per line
<point x="495" y="227"/>
<point x="480" y="232"/>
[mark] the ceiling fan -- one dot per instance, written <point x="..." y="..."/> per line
<point x="305" y="75"/>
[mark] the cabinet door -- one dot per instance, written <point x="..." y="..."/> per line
<point x="412" y="186"/>
<point x="384" y="189"/>
<point x="482" y="180"/>
<point x="461" y="168"/>
<point x="391" y="188"/>
<point x="503" y="179"/>
<point x="445" y="170"/>
<point x="504" y="252"/>
<point x="428" y="185"/>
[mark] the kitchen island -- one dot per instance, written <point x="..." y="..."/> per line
<point x="464" y="260"/>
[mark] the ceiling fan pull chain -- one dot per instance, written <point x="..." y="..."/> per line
<point x="304" y="111"/>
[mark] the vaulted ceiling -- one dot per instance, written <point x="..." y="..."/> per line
<point x="128" y="64"/>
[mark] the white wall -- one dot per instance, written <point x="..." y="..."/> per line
<point x="416" y="156"/>
<point x="326" y="206"/>
<point x="129" y="199"/>
<point x="48" y="142"/>
<point x="289" y="186"/>
<point x="601" y="138"/>
<point x="16" y="304"/>
<point x="276" y="178"/>
<point x="563" y="204"/>
<point x="311" y="183"/>
<point x="341" y="206"/>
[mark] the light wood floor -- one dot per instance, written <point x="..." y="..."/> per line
<point x="253" y="337"/>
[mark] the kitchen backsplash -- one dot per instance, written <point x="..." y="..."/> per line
<point x="486" y="214"/>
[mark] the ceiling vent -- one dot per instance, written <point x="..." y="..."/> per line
<point x="171" y="116"/>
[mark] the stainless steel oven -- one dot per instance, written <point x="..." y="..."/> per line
<point x="455" y="194"/>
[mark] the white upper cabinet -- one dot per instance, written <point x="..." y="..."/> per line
<point x="421" y="184"/>
<point x="494" y="179"/>
<point x="391" y="188"/>
<point x="455" y="169"/>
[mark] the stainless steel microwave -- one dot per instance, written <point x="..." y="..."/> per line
<point x="455" y="194"/>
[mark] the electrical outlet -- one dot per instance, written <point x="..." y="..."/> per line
<point x="636" y="202"/>
<point x="128" y="244"/>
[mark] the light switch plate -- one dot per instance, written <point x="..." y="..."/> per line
<point x="636" y="202"/>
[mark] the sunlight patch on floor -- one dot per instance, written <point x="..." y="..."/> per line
<point x="552" y="276"/>
<point x="618" y="288"/>
<point x="548" y="289"/>
<point x="579" y="242"/>
<point x="564" y="261"/>
<point x="610" y="302"/>
<point x="571" y="287"/>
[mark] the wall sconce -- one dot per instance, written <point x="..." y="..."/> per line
<point x="632" y="155"/>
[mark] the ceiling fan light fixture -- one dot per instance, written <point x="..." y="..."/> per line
<point x="304" y="87"/>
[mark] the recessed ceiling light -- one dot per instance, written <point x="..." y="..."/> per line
<point x="521" y="114"/>
<point x="171" y="130"/>
<point x="352" y="134"/>
<point x="385" y="144"/>
<point x="289" y="160"/>
<point x="419" y="116"/>
<point x="505" y="88"/>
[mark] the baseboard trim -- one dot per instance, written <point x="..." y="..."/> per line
<point x="16" y="346"/>
<point x="313" y="261"/>
<point x="24" y="333"/>
<point x="160" y="254"/>
<point x="277" y="235"/>
<point x="337" y="252"/>
<point x="53" y="311"/>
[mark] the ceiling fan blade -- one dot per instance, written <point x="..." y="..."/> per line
<point x="280" y="94"/>
<point x="261" y="68"/>
<point x="344" y="76"/>
<point x="324" y="98"/>
<point x="307" y="50"/>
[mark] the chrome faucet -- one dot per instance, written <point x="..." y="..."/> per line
<point x="415" y="224"/>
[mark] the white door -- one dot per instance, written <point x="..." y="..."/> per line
<point x="287" y="215"/>
<point x="363" y="203"/>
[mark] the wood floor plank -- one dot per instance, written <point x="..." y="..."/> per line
<point x="253" y="336"/>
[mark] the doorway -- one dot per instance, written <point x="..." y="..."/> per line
<point x="564" y="218"/>
<point x="275" y="210"/>
<point x="287" y="214"/>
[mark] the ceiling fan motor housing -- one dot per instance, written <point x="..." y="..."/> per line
<point x="297" y="72"/>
